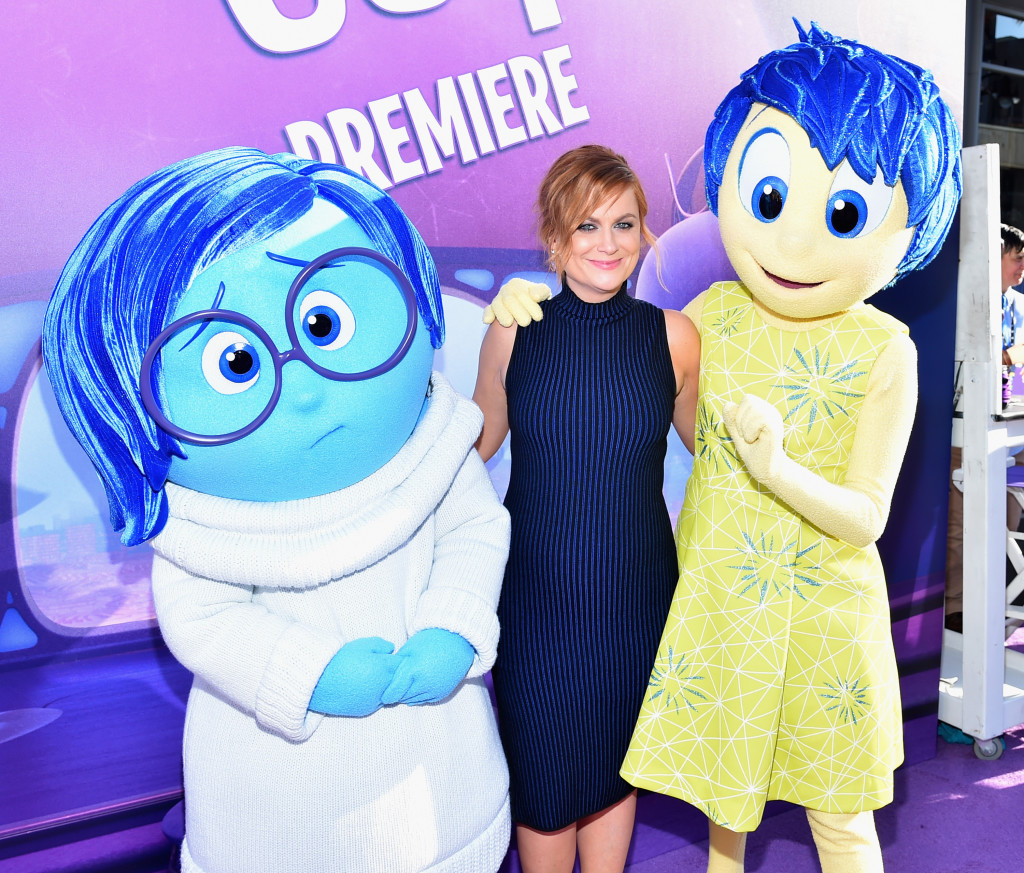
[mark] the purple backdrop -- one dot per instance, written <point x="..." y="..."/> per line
<point x="458" y="109"/>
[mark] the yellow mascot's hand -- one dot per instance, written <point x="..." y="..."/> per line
<point x="756" y="430"/>
<point x="517" y="301"/>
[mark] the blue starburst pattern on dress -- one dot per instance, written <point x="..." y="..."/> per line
<point x="713" y="813"/>
<point x="728" y="322"/>
<point x="769" y="569"/>
<point x="671" y="681"/>
<point x="712" y="443"/>
<point x="819" y="384"/>
<point x="849" y="699"/>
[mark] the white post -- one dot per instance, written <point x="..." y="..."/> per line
<point x="979" y="347"/>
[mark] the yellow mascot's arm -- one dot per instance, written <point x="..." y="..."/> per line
<point x="856" y="509"/>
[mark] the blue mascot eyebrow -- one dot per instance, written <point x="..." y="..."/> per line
<point x="215" y="305"/>
<point x="295" y="262"/>
<point x="280" y="259"/>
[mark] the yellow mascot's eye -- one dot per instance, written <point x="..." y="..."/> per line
<point x="764" y="175"/>
<point x="856" y="207"/>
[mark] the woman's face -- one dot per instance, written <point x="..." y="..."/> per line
<point x="604" y="249"/>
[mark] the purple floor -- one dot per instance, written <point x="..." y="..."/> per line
<point x="952" y="813"/>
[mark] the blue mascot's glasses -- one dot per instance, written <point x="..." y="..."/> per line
<point x="237" y="364"/>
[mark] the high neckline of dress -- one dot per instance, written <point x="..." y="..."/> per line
<point x="571" y="306"/>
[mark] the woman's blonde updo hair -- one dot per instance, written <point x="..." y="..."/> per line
<point x="577" y="183"/>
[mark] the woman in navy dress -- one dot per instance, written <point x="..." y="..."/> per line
<point x="588" y="394"/>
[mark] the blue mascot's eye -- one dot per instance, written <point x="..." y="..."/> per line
<point x="764" y="175"/>
<point x="856" y="207"/>
<point x="846" y="213"/>
<point x="238" y="363"/>
<point x="768" y="199"/>
<point x="326" y="320"/>
<point x="231" y="363"/>
<point x="321" y="325"/>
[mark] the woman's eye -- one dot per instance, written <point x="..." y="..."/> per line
<point x="326" y="320"/>
<point x="231" y="363"/>
<point x="764" y="175"/>
<point x="856" y="207"/>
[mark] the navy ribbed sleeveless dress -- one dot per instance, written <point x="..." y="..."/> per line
<point x="592" y="564"/>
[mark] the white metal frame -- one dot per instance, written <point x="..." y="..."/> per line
<point x="982" y="683"/>
<point x="1015" y="614"/>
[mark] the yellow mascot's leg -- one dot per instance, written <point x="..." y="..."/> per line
<point x="846" y="843"/>
<point x="725" y="850"/>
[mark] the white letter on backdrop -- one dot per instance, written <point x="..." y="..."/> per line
<point x="499" y="105"/>
<point x="449" y="124"/>
<point x="542" y="14"/>
<point x="531" y="83"/>
<point x="467" y="85"/>
<point x="563" y="86"/>
<point x="357" y="152"/>
<point x="301" y="134"/>
<point x="264" y="24"/>
<point x="393" y="138"/>
<point x="402" y="7"/>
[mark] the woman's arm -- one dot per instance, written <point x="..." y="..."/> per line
<point x="684" y="346"/>
<point x="489" y="394"/>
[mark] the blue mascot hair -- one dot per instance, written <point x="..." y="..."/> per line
<point x="857" y="103"/>
<point x="126" y="276"/>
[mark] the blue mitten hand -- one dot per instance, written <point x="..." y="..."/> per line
<point x="431" y="665"/>
<point x="355" y="678"/>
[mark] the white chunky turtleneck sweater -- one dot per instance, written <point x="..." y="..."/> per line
<point x="256" y="598"/>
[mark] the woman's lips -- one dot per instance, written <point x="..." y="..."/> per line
<point x="607" y="265"/>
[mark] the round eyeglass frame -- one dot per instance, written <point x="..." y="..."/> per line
<point x="296" y="352"/>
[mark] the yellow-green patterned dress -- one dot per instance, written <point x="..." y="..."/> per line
<point x="775" y="677"/>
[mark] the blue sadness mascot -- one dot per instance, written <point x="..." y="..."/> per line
<point x="328" y="546"/>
